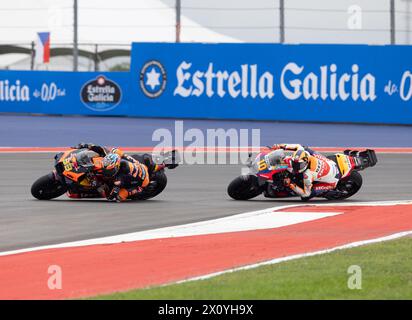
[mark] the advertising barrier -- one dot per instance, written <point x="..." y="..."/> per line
<point x="321" y="83"/>
<point x="82" y="93"/>
<point x="332" y="83"/>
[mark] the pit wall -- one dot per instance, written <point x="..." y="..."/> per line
<point x="321" y="83"/>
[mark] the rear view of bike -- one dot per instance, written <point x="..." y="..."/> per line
<point x="349" y="164"/>
<point x="158" y="179"/>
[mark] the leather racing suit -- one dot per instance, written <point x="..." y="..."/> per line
<point x="322" y="174"/>
<point x="132" y="177"/>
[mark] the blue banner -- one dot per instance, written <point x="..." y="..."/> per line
<point x="321" y="83"/>
<point x="82" y="93"/>
<point x="325" y="83"/>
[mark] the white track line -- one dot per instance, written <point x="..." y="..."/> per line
<point x="254" y="220"/>
<point x="298" y="256"/>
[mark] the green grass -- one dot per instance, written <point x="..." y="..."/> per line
<point x="386" y="274"/>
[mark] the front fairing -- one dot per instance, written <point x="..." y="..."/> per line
<point x="262" y="169"/>
<point x="73" y="166"/>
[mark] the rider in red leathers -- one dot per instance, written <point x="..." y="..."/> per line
<point x="314" y="167"/>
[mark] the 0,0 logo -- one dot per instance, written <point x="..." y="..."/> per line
<point x="153" y="79"/>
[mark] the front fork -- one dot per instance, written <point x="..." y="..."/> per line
<point x="272" y="191"/>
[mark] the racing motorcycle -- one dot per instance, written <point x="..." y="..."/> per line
<point x="267" y="178"/>
<point x="79" y="171"/>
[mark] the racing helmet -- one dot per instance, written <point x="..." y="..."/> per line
<point x="111" y="164"/>
<point x="300" y="161"/>
<point x="275" y="158"/>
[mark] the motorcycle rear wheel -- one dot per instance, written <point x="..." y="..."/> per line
<point x="347" y="187"/>
<point x="159" y="180"/>
<point x="47" y="188"/>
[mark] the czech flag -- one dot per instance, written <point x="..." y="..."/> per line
<point x="43" y="47"/>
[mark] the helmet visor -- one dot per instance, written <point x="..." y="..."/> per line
<point x="298" y="166"/>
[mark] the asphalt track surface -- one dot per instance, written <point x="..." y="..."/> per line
<point x="58" y="131"/>
<point x="194" y="193"/>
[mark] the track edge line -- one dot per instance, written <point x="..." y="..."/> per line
<point x="295" y="257"/>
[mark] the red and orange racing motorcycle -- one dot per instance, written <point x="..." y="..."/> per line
<point x="267" y="178"/>
<point x="79" y="171"/>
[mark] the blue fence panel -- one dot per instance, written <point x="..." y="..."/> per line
<point x="326" y="83"/>
<point x="83" y="93"/>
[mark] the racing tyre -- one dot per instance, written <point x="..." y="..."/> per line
<point x="244" y="187"/>
<point x="158" y="182"/>
<point x="347" y="187"/>
<point x="47" y="188"/>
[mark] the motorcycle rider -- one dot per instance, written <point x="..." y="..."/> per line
<point x="313" y="166"/>
<point x="129" y="176"/>
<point x="279" y="157"/>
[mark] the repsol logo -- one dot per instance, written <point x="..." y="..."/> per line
<point x="14" y="91"/>
<point x="295" y="83"/>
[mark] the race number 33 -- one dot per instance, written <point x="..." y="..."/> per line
<point x="67" y="165"/>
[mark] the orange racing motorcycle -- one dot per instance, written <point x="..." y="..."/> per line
<point x="80" y="171"/>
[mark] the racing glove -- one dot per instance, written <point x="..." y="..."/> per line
<point x="287" y="182"/>
<point x="114" y="195"/>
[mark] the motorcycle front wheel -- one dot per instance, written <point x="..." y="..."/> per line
<point x="47" y="188"/>
<point x="244" y="187"/>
